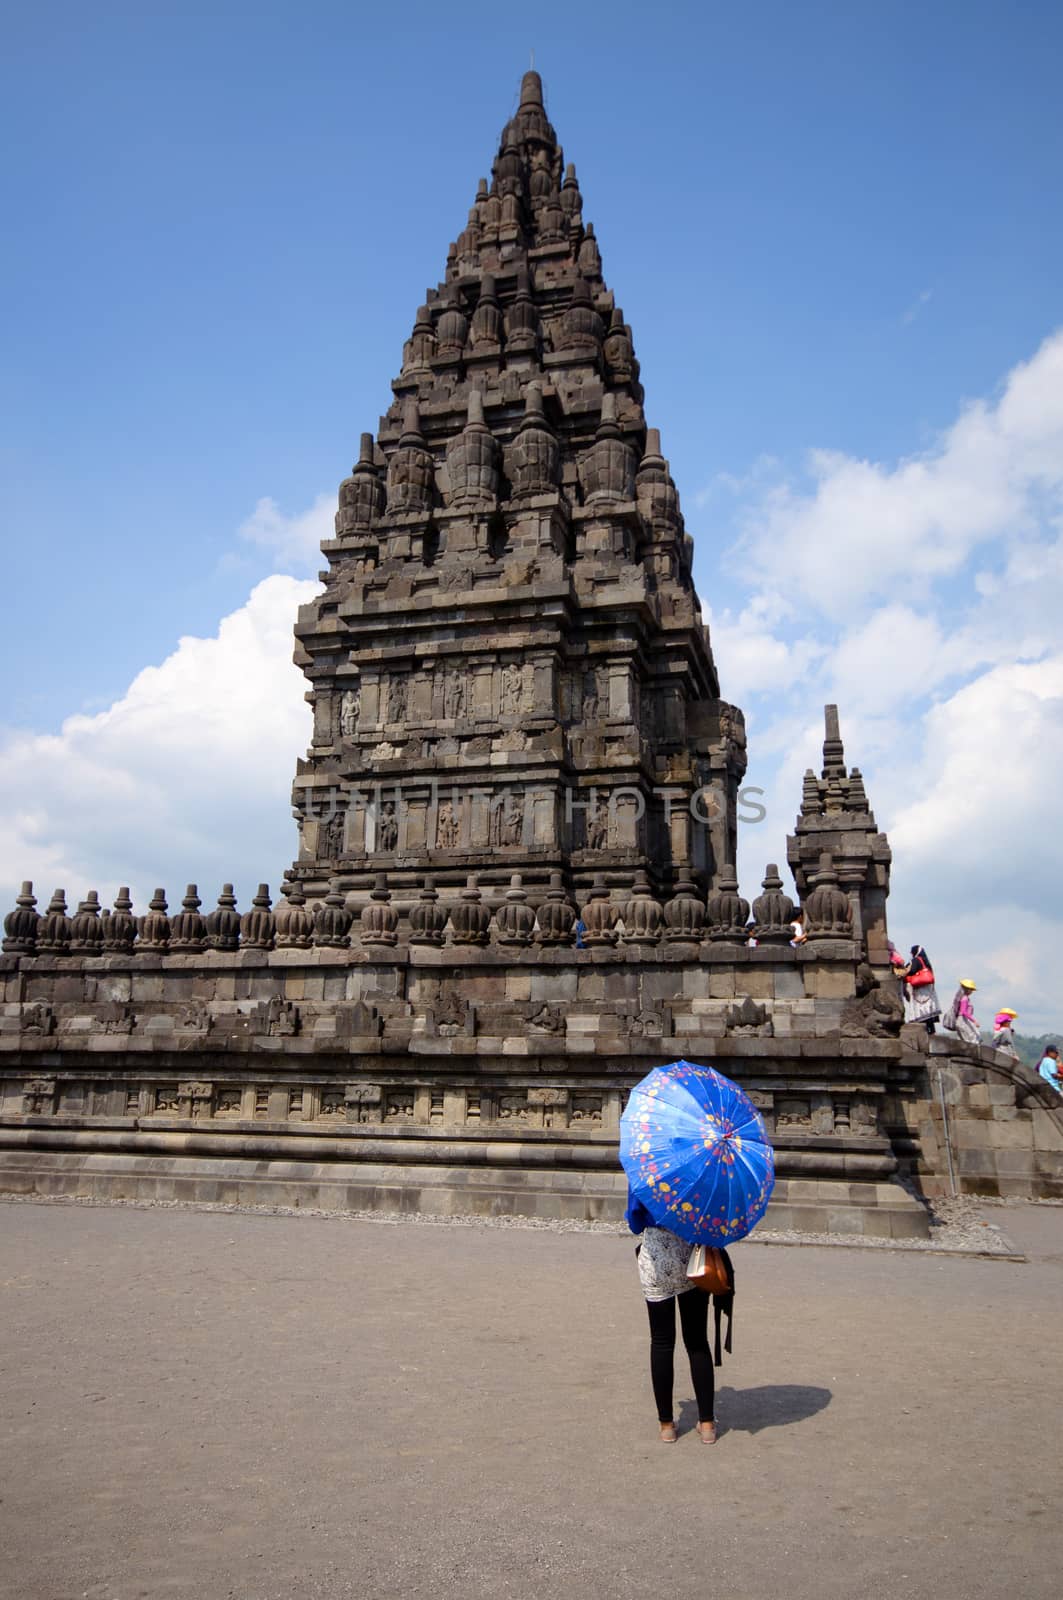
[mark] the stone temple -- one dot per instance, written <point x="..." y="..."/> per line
<point x="515" y="888"/>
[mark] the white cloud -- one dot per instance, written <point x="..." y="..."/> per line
<point x="864" y="529"/>
<point x="186" y="777"/>
<point x="293" y="542"/>
<point x="925" y="598"/>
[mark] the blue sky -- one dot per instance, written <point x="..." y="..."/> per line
<point x="833" y="228"/>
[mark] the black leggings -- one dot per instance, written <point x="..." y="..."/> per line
<point x="694" y="1318"/>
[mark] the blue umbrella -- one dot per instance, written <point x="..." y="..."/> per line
<point x="697" y="1154"/>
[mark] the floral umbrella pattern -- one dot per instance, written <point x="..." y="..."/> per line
<point x="697" y="1154"/>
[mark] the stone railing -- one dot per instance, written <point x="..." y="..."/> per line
<point x="634" y="920"/>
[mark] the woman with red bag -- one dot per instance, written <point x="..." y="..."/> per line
<point x="920" y="995"/>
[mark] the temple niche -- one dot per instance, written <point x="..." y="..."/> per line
<point x="508" y="606"/>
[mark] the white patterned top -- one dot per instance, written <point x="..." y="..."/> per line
<point x="663" y="1264"/>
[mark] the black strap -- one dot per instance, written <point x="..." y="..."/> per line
<point x="723" y="1304"/>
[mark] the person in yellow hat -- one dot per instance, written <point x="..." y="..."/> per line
<point x="1003" y="1036"/>
<point x="960" y="1016"/>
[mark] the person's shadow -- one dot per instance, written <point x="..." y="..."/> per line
<point x="770" y="1405"/>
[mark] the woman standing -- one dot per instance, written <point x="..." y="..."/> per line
<point x="920" y="995"/>
<point x="662" y="1258"/>
<point x="963" y="1013"/>
<point x="1003" y="1037"/>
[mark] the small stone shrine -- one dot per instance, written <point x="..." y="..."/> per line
<point x="515" y="888"/>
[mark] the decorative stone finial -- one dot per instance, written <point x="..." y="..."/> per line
<point x="154" y="927"/>
<point x="607" y="469"/>
<point x="257" y="928"/>
<point x="86" y="929"/>
<point x="515" y="919"/>
<point x="411" y="473"/>
<point x="470" y="918"/>
<point x="522" y="320"/>
<point x="828" y="910"/>
<point x="472" y="460"/>
<point x="223" y="925"/>
<point x="332" y="923"/>
<point x="656" y="494"/>
<point x="618" y="350"/>
<point x="452" y="329"/>
<point x="727" y="913"/>
<point x="600" y="914"/>
<point x="590" y="259"/>
<point x="773" y="911"/>
<point x="534" y="457"/>
<point x="531" y="91"/>
<point x="485" y="331"/>
<point x="380" y="919"/>
<point x="21" y="924"/>
<point x="427" y="917"/>
<point x="684" y="914"/>
<point x="53" y="933"/>
<point x="188" y="930"/>
<point x="582" y="330"/>
<point x="642" y="914"/>
<point x="362" y="495"/>
<point x="293" y="926"/>
<point x="557" y="916"/>
<point x="120" y="928"/>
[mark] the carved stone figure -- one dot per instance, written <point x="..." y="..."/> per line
<point x="877" y="1011"/>
<point x="334" y="831"/>
<point x="446" y="826"/>
<point x="455" y="694"/>
<point x="388" y="828"/>
<point x="350" y="710"/>
<point x="398" y="695"/>
<point x="512" y="690"/>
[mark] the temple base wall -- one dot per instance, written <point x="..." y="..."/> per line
<point x="486" y="1080"/>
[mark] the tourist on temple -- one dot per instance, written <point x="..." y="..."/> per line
<point x="662" y="1257"/>
<point x="961" y="1017"/>
<point x="920" y="995"/>
<point x="797" y="927"/>
<point x="1049" y="1068"/>
<point x="1003" y="1034"/>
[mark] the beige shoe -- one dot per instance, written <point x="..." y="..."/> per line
<point x="669" y="1432"/>
<point x="707" y="1431"/>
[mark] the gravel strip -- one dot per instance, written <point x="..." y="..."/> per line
<point x="957" y="1226"/>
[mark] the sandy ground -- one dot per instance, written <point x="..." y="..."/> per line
<point x="242" y="1407"/>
